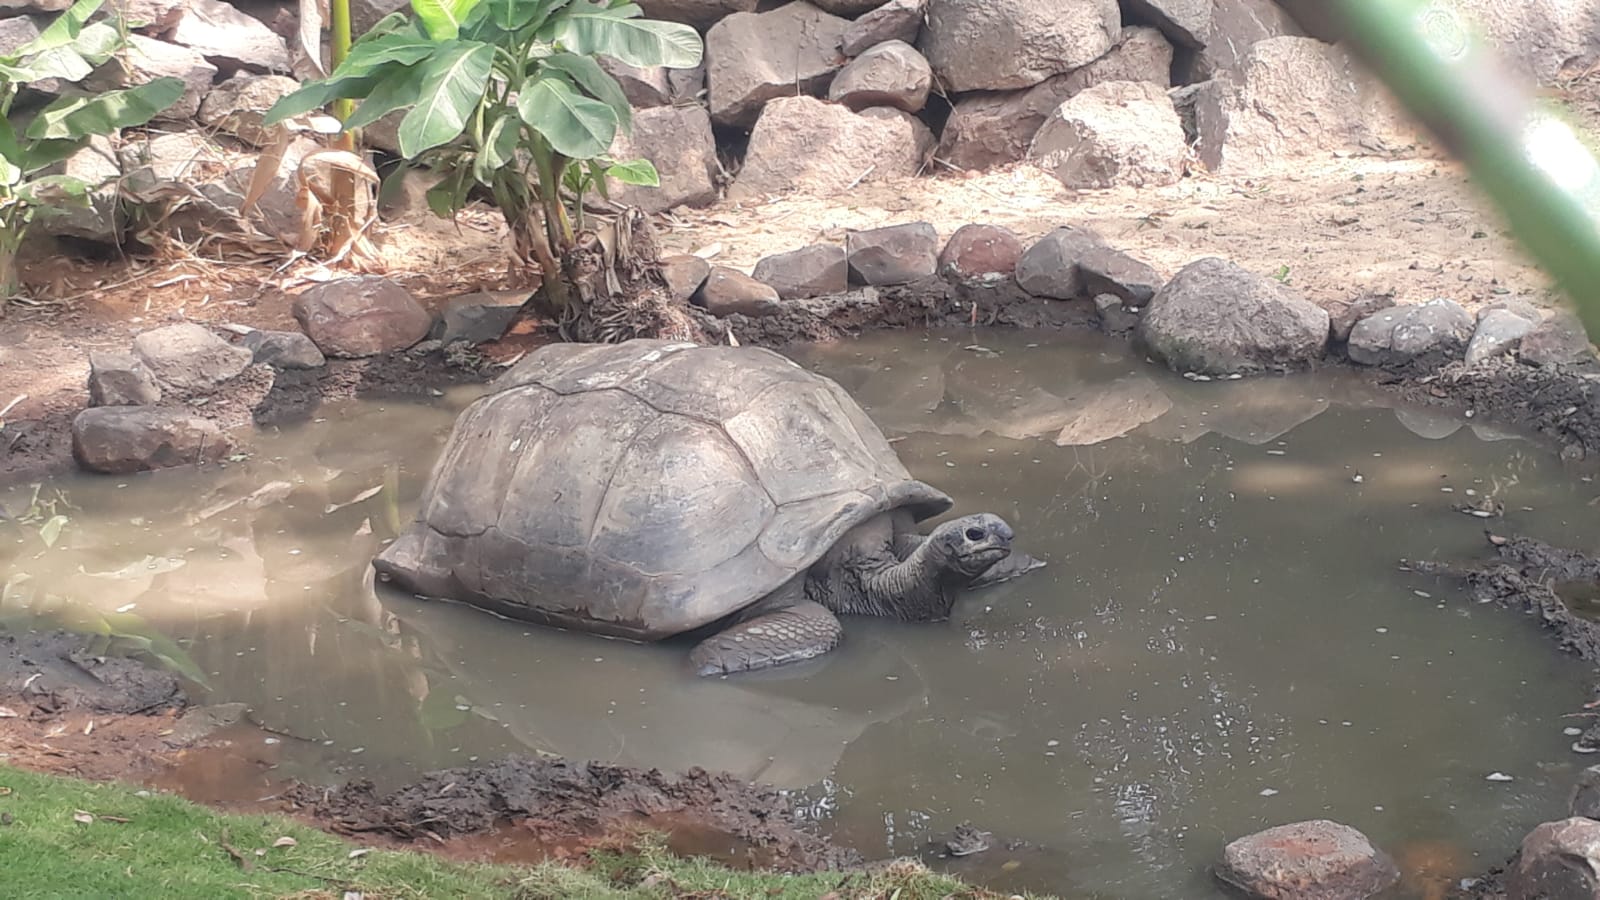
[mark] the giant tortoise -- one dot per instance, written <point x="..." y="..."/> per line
<point x="651" y="489"/>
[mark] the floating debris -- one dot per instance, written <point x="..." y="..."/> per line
<point x="1570" y="731"/>
<point x="1268" y="792"/>
<point x="1497" y="776"/>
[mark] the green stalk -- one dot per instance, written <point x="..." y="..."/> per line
<point x="1489" y="120"/>
<point x="339" y="24"/>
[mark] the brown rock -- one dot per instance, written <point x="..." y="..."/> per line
<point x="1316" y="860"/>
<point x="190" y="357"/>
<point x="820" y="148"/>
<point x="684" y="275"/>
<point x="361" y="316"/>
<point x="1236" y="26"/>
<point x="702" y="14"/>
<point x="366" y="13"/>
<point x="1104" y="270"/>
<point x="238" y="105"/>
<point x="678" y="140"/>
<point x="1049" y="268"/>
<point x="13" y="7"/>
<point x="1116" y="133"/>
<point x="1215" y="318"/>
<point x="728" y="291"/>
<point x="897" y="20"/>
<point x="1000" y="45"/>
<point x="847" y="8"/>
<point x="890" y="74"/>
<point x="146" y="59"/>
<point x="1115" y="316"/>
<point x="980" y="253"/>
<point x="117" y="440"/>
<point x="894" y="254"/>
<point x="118" y="378"/>
<point x="1185" y="22"/>
<point x="103" y="217"/>
<point x="752" y="58"/>
<point x="1423" y="334"/>
<point x="479" y="317"/>
<point x="224" y="35"/>
<point x="1344" y="314"/>
<point x="644" y="87"/>
<point x="283" y="349"/>
<point x="808" y="272"/>
<point x="149" y="16"/>
<point x="1558" y="861"/>
<point x="993" y="128"/>
<point x="1559" y="340"/>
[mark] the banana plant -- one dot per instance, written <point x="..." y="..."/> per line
<point x="508" y="95"/>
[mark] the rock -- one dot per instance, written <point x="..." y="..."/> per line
<point x="224" y="35"/>
<point x="1113" y="410"/>
<point x="1559" y="340"/>
<point x="684" y="275"/>
<point x="808" y="272"/>
<point x="1116" y="133"/>
<point x="921" y="135"/>
<point x="1236" y="26"/>
<point x="17" y="31"/>
<point x="98" y="217"/>
<point x="894" y="254"/>
<point x="117" y="440"/>
<point x="728" y="291"/>
<point x="890" y="74"/>
<point x="149" y="16"/>
<point x="984" y="254"/>
<point x="185" y="157"/>
<point x="993" y="128"/>
<point x="678" y="140"/>
<point x="238" y="105"/>
<point x="1115" y="318"/>
<point x="1316" y="859"/>
<point x="283" y="349"/>
<point x="1074" y="263"/>
<point x="478" y="318"/>
<point x="1292" y="97"/>
<point x="1516" y="306"/>
<point x="644" y="88"/>
<point x="1497" y="332"/>
<point x="687" y="84"/>
<point x="1185" y="22"/>
<point x="15" y="7"/>
<point x="897" y="20"/>
<point x="805" y="144"/>
<point x="1344" y="314"/>
<point x="752" y="58"/>
<point x="998" y="45"/>
<point x="118" y="378"/>
<point x="146" y="59"/>
<point x="846" y="8"/>
<point x="190" y="357"/>
<point x="1585" y="798"/>
<point x="361" y="316"/>
<point x="366" y="13"/>
<point x="702" y="14"/>
<point x="1558" y="861"/>
<point x="1425" y="334"/>
<point x="1538" y="38"/>
<point x="1215" y="318"/>
<point x="1103" y="270"/>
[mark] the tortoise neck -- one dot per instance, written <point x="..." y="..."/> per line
<point x="922" y="588"/>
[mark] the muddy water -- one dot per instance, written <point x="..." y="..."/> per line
<point x="1221" y="641"/>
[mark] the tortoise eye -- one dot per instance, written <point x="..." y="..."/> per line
<point x="975" y="534"/>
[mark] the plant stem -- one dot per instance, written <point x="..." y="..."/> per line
<point x="342" y="215"/>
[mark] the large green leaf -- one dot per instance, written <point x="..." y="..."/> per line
<point x="98" y="42"/>
<point x="595" y="81"/>
<point x="453" y="85"/>
<point x="499" y="147"/>
<point x="577" y="127"/>
<point x="588" y="30"/>
<point x="12" y="158"/>
<point x="399" y="89"/>
<point x="398" y="47"/>
<point x="443" y="18"/>
<point x="318" y="94"/>
<point x="635" y="171"/>
<point x="515" y="15"/>
<point x="70" y="118"/>
<point x="43" y="154"/>
<point x="63" y="31"/>
<point x="63" y="62"/>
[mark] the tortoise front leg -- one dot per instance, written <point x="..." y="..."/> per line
<point x="785" y="634"/>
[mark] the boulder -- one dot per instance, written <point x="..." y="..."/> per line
<point x="1075" y="263"/>
<point x="1215" y="318"/>
<point x="808" y="272"/>
<point x="1344" y="314"/>
<point x="1236" y="26"/>
<point x="1538" y="38"/>
<point x="1185" y="22"/>
<point x="1584" y="800"/>
<point x="283" y="349"/>
<point x="1001" y="45"/>
<point x="894" y="254"/>
<point x="1424" y="334"/>
<point x="993" y="128"/>
<point x="1558" y="861"/>
<point x="17" y="31"/>
<point x="1559" y="340"/>
<point x="1497" y="332"/>
<point x="117" y="440"/>
<point x="18" y="7"/>
<point x="478" y="318"/>
<point x="678" y="140"/>
<point x="1517" y="306"/>
<point x="1104" y="270"/>
<point x="119" y="378"/>
<point x="226" y="36"/>
<point x="238" y="105"/>
<point x="820" y="148"/>
<point x="980" y="254"/>
<point x="702" y="14"/>
<point x="361" y="316"/>
<point x="644" y="87"/>
<point x="189" y="357"/>
<point x="1116" y="133"/>
<point x="184" y="157"/>
<point x="149" y="16"/>
<point x="1115" y="316"/>
<point x="728" y="291"/>
<point x="1316" y="859"/>
<point x="847" y="8"/>
<point x="752" y="58"/>
<point x="144" y="60"/>
<point x="99" y="216"/>
<point x="687" y="84"/>
<point x="897" y="20"/>
<point x="890" y="74"/>
<point x="684" y="275"/>
<point x="366" y="13"/>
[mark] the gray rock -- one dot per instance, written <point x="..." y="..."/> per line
<point x="1215" y="318"/>
<point x="819" y="148"/>
<point x="1103" y="270"/>
<point x="808" y="272"/>
<point x="1559" y="340"/>
<point x="1497" y="332"/>
<point x="890" y="74"/>
<point x="283" y="349"/>
<point x="183" y="157"/>
<point x="847" y="8"/>
<point x="366" y="13"/>
<point x="644" y="87"/>
<point x="678" y="141"/>
<point x="478" y="318"/>
<point x="1075" y="263"/>
<point x="729" y="291"/>
<point x="224" y="35"/>
<point x="894" y="254"/>
<point x="1344" y="314"/>
<point x="1116" y="133"/>
<point x="1185" y="22"/>
<point x="17" y="31"/>
<point x="684" y="275"/>
<point x="752" y="58"/>
<point x="980" y="254"/>
<point x="1316" y="859"/>
<point x="98" y="217"/>
<point x="146" y="59"/>
<point x="1584" y="800"/>
<point x="14" y="7"/>
<point x="687" y="84"/>
<point x="361" y="316"/>
<point x="990" y="128"/>
<point x="190" y="357"/>
<point x="1538" y="38"/>
<point x="1236" y="26"/>
<point x="702" y="14"/>
<point x="897" y="20"/>
<point x="117" y="440"/>
<point x="1516" y="306"/>
<point x="1558" y="861"/>
<point x="1115" y="318"/>
<point x="1000" y="45"/>
<point x="238" y="105"/>
<point x="118" y="378"/>
<point x="1424" y="334"/>
<point x="149" y="16"/>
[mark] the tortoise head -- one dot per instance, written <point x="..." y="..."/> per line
<point x="971" y="544"/>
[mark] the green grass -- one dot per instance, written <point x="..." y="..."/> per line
<point x="172" y="849"/>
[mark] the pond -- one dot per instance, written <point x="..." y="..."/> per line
<point x="1222" y="640"/>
